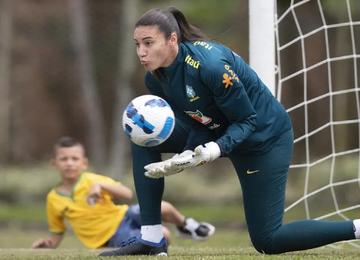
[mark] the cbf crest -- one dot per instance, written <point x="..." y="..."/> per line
<point x="190" y="92"/>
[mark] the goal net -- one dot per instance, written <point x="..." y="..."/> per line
<point x="317" y="80"/>
<point x="312" y="65"/>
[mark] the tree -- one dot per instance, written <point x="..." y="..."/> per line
<point x="80" y="39"/>
<point x="124" y="92"/>
<point x="5" y="58"/>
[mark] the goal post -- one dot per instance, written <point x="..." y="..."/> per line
<point x="262" y="40"/>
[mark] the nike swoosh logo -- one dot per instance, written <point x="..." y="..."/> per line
<point x="251" y="172"/>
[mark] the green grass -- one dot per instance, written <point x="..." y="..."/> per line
<point x="30" y="213"/>
<point x="225" y="244"/>
<point x="21" y="225"/>
<point x="229" y="242"/>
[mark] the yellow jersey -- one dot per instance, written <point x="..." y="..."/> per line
<point x="92" y="224"/>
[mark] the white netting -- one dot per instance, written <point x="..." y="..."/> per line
<point x="318" y="68"/>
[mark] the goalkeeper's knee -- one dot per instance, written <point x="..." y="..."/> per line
<point x="263" y="245"/>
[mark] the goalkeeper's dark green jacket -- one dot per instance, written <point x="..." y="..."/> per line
<point x="213" y="91"/>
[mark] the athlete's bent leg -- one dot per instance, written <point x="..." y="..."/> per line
<point x="263" y="180"/>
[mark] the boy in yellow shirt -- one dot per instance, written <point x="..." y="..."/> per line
<point x="85" y="199"/>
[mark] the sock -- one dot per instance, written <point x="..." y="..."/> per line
<point x="152" y="233"/>
<point x="357" y="228"/>
<point x="191" y="224"/>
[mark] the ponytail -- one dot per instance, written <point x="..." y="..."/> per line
<point x="169" y="21"/>
<point x="188" y="32"/>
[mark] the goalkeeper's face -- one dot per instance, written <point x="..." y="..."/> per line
<point x="153" y="48"/>
<point x="70" y="162"/>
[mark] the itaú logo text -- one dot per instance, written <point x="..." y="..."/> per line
<point x="193" y="63"/>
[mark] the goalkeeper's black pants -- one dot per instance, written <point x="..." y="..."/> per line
<point x="263" y="181"/>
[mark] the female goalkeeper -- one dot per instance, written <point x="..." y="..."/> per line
<point x="223" y="109"/>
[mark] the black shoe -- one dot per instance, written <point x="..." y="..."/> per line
<point x="137" y="246"/>
<point x="195" y="230"/>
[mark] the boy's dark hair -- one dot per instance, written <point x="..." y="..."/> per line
<point x="65" y="142"/>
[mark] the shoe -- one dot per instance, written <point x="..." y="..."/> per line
<point x="195" y="230"/>
<point x="137" y="246"/>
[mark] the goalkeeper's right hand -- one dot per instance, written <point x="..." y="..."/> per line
<point x="167" y="167"/>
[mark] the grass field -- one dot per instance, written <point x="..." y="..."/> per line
<point x="22" y="224"/>
<point x="227" y="243"/>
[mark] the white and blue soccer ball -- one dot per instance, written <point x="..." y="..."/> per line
<point x="148" y="120"/>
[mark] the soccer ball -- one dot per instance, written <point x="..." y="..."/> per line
<point x="148" y="120"/>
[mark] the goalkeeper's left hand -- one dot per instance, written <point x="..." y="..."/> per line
<point x="165" y="168"/>
<point x="201" y="155"/>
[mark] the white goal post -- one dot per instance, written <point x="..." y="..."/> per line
<point x="262" y="40"/>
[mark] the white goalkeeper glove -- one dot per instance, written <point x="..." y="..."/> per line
<point x="166" y="168"/>
<point x="202" y="154"/>
<point x="207" y="152"/>
<point x="187" y="159"/>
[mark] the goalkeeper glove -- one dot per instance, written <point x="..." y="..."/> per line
<point x="202" y="154"/>
<point x="207" y="152"/>
<point x="187" y="159"/>
<point x="166" y="168"/>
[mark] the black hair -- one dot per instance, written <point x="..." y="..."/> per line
<point x="169" y="21"/>
<point x="66" y="142"/>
